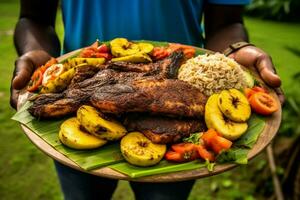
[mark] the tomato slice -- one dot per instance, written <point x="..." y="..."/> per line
<point x="187" y="150"/>
<point x="204" y="153"/>
<point x="174" y="156"/>
<point x="188" y="51"/>
<point x="36" y="81"/>
<point x="94" y="45"/>
<point x="86" y="53"/>
<point x="49" y="63"/>
<point x="103" y="49"/>
<point x="263" y="103"/>
<point x="159" y="53"/>
<point x="183" y="147"/>
<point x="208" y="136"/>
<point x="259" y="89"/>
<point x="219" y="144"/>
<point x="248" y="92"/>
<point x="102" y="55"/>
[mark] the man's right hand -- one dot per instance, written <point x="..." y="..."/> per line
<point x="24" y="67"/>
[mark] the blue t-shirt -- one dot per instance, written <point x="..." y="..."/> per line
<point x="160" y="20"/>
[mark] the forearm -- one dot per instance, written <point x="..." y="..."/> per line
<point x="221" y="39"/>
<point x="30" y="35"/>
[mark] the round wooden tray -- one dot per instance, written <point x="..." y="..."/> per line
<point x="269" y="132"/>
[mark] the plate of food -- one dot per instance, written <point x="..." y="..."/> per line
<point x="148" y="111"/>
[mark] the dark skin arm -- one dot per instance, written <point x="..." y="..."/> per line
<point x="224" y="26"/>
<point x="35" y="41"/>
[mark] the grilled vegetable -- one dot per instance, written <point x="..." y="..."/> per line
<point x="204" y="153"/>
<point x="122" y="47"/>
<point x="99" y="125"/>
<point x="127" y="51"/>
<point x="35" y="81"/>
<point x="134" y="58"/>
<point x="215" y="119"/>
<point x="73" y="62"/>
<point x="159" y="53"/>
<point x="73" y="136"/>
<point x="219" y="144"/>
<point x="59" y="83"/>
<point x="139" y="150"/>
<point x="263" y="103"/>
<point x="234" y="105"/>
<point x="145" y="47"/>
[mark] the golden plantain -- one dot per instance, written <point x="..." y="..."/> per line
<point x="145" y="47"/>
<point x="215" y="119"/>
<point x="72" y="136"/>
<point x="73" y="62"/>
<point x="95" y="123"/>
<point x="122" y="47"/>
<point x="234" y="105"/>
<point x="139" y="150"/>
<point x="134" y="58"/>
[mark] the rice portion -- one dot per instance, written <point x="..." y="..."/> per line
<point x="212" y="73"/>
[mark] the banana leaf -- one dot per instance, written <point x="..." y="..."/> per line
<point x="256" y="125"/>
<point x="48" y="131"/>
<point x="238" y="154"/>
<point x="163" y="167"/>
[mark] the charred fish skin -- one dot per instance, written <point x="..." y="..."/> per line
<point x="168" y="97"/>
<point x="118" y="92"/>
<point x="171" y="70"/>
<point x="163" y="130"/>
<point x="55" y="105"/>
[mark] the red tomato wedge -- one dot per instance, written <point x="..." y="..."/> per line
<point x="204" y="153"/>
<point x="187" y="150"/>
<point x="248" y="92"/>
<point x="263" y="103"/>
<point x="102" y="55"/>
<point x="96" y="51"/>
<point x="188" y="51"/>
<point x="50" y="62"/>
<point x="208" y="136"/>
<point x="159" y="53"/>
<point x="183" y="147"/>
<point x="95" y="45"/>
<point x="259" y="89"/>
<point x="36" y="81"/>
<point x="103" y="48"/>
<point x="219" y="144"/>
<point x="174" y="156"/>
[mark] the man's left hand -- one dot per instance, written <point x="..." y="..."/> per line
<point x="252" y="56"/>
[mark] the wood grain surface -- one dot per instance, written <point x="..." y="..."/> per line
<point x="269" y="132"/>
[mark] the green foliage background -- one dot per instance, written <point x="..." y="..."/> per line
<point x="285" y="10"/>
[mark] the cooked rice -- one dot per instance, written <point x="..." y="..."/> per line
<point x="212" y="73"/>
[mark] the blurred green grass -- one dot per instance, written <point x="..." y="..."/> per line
<point x="26" y="173"/>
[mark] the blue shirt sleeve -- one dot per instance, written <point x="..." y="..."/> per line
<point x="230" y="2"/>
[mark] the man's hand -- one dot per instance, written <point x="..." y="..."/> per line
<point x="252" y="56"/>
<point x="24" y="67"/>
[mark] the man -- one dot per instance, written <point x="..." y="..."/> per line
<point x="162" y="20"/>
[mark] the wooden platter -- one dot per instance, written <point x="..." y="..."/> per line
<point x="268" y="133"/>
